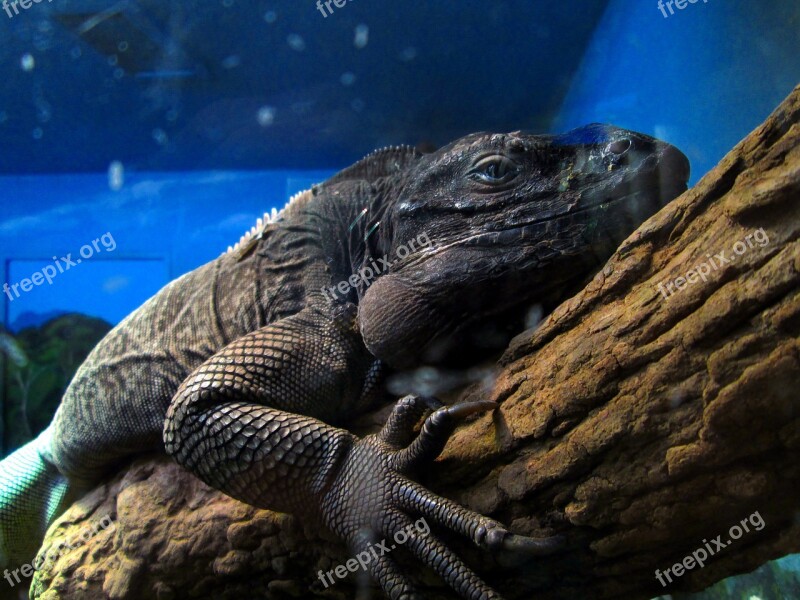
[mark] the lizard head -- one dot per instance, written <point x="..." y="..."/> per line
<point x="512" y="220"/>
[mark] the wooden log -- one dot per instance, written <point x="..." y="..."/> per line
<point x="649" y="414"/>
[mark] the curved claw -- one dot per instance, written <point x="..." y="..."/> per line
<point x="465" y="409"/>
<point x="534" y="546"/>
<point x="498" y="538"/>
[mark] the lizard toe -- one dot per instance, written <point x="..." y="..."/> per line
<point x="486" y="533"/>
<point x="385" y="572"/>
<point x="431" y="552"/>
<point x="436" y="430"/>
<point x="398" y="431"/>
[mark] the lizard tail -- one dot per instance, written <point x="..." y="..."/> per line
<point x="32" y="494"/>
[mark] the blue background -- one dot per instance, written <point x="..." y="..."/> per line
<point x="251" y="101"/>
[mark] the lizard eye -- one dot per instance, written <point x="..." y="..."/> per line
<point x="494" y="169"/>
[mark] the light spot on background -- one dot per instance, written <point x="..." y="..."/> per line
<point x="266" y="116"/>
<point x="112" y="285"/>
<point x="295" y="42"/>
<point x="27" y="62"/>
<point x="361" y="37"/>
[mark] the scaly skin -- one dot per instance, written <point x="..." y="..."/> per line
<point x="247" y="365"/>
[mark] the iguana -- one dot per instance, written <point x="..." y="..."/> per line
<point x="246" y="369"/>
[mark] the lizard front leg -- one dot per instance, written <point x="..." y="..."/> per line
<point x="236" y="423"/>
<point x="251" y="420"/>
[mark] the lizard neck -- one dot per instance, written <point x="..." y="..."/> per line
<point x="352" y="235"/>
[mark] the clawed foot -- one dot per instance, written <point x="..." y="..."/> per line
<point x="371" y="498"/>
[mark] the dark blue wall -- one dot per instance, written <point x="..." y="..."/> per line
<point x="245" y="84"/>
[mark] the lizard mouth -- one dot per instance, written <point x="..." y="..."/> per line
<point x="631" y="209"/>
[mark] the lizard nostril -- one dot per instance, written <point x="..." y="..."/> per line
<point x="619" y="147"/>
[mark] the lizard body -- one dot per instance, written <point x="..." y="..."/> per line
<point x="245" y="369"/>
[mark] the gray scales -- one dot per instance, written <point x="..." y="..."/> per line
<point x="246" y="369"/>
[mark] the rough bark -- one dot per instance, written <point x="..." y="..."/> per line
<point x="638" y="425"/>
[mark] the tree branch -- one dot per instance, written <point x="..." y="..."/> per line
<point x="638" y="420"/>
